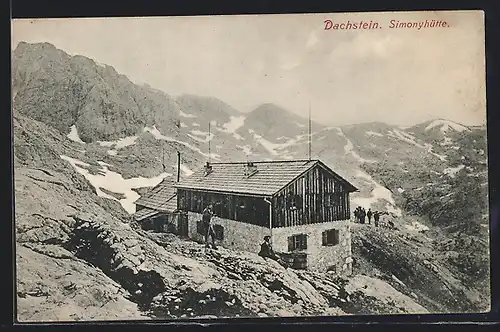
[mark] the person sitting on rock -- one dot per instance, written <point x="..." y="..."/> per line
<point x="266" y="250"/>
<point x="209" y="229"/>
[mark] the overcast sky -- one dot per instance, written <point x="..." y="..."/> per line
<point x="397" y="76"/>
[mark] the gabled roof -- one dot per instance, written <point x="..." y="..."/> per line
<point x="160" y="198"/>
<point x="145" y="213"/>
<point x="271" y="176"/>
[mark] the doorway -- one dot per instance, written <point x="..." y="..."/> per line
<point x="183" y="226"/>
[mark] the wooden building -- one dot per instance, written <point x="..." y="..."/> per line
<point x="302" y="204"/>
<point x="157" y="209"/>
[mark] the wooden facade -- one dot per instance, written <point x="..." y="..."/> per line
<point x="314" y="197"/>
<point x="250" y="209"/>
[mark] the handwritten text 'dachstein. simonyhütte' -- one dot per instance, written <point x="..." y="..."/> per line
<point x="392" y="24"/>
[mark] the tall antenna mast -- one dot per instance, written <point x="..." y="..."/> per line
<point x="163" y="158"/>
<point x="309" y="136"/>
<point x="209" y="139"/>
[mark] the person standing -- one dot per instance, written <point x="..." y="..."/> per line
<point x="376" y="217"/>
<point x="209" y="229"/>
<point x="363" y="215"/>
<point x="369" y="215"/>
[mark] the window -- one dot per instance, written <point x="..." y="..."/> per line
<point x="182" y="203"/>
<point x="219" y="232"/>
<point x="294" y="202"/>
<point x="332" y="200"/>
<point x="297" y="242"/>
<point x="241" y="210"/>
<point x="331" y="237"/>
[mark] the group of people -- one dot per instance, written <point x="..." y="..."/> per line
<point x="361" y="215"/>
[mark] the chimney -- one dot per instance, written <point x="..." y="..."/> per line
<point x="208" y="168"/>
<point x="250" y="168"/>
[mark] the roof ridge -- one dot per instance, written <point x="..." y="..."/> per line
<point x="264" y="161"/>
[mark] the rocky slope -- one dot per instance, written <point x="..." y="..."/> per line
<point x="88" y="142"/>
<point x="52" y="283"/>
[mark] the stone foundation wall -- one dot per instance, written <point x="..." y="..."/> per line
<point x="247" y="237"/>
<point x="320" y="258"/>
<point x="237" y="235"/>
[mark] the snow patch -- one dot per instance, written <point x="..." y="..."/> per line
<point x="237" y="136"/>
<point x="378" y="193"/>
<point x="401" y="190"/>
<point x="194" y="124"/>
<point x="234" y="123"/>
<point x="112" y="152"/>
<point x="273" y="147"/>
<point x="416" y="226"/>
<point x="73" y="135"/>
<point x="115" y="183"/>
<point x="446" y="125"/>
<point x="247" y="149"/>
<point x="349" y="149"/>
<point x="452" y="171"/>
<point x="397" y="280"/>
<point x="207" y="136"/>
<point x="102" y="163"/>
<point x="186" y="115"/>
<point x="300" y="125"/>
<point x="186" y="170"/>
<point x="199" y="132"/>
<point x="183" y="125"/>
<point x="158" y="135"/>
<point x="372" y="133"/>
<point x="412" y="140"/>
<point x="120" y="143"/>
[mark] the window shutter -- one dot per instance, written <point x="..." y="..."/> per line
<point x="304" y="241"/>
<point x="337" y="236"/>
<point x="290" y="243"/>
<point x="324" y="237"/>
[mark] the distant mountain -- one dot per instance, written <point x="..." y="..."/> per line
<point x="438" y="130"/>
<point x="272" y="121"/>
<point x="54" y="87"/>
